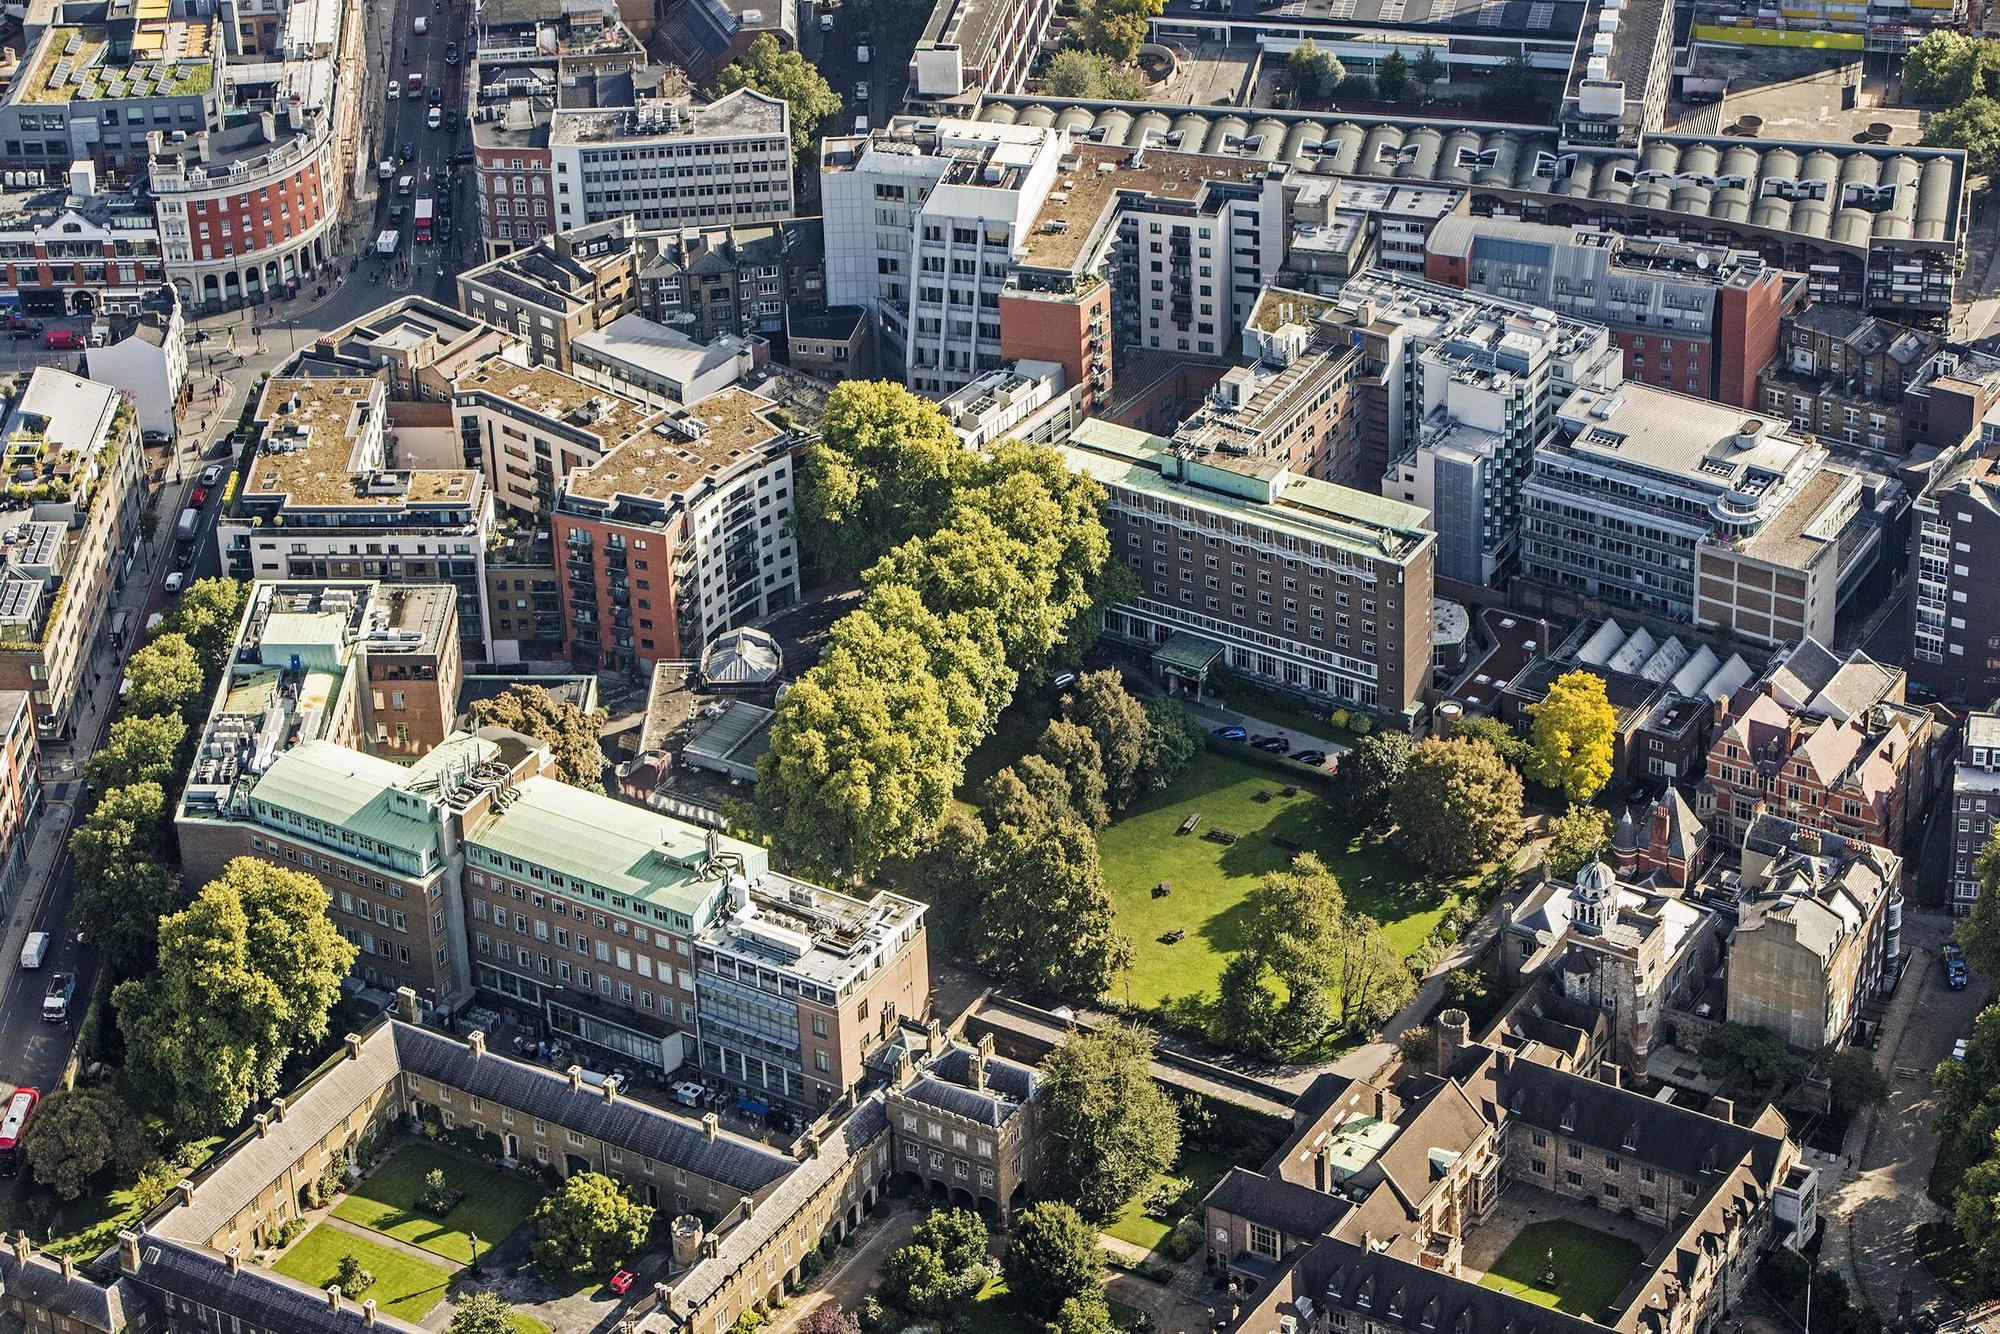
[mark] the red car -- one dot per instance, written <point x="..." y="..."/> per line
<point x="62" y="338"/>
<point x="199" y="498"/>
<point x="622" y="1281"/>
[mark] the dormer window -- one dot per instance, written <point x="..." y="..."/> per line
<point x="1568" y="1121"/>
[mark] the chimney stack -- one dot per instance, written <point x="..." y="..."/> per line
<point x="263" y="1124"/>
<point x="185" y="1189"/>
<point x="1454" y="1033"/>
<point x="1722" y="1109"/>
<point x="353" y="1044"/>
<point x="575" y="1078"/>
<point x="278" y="1105"/>
<point x="981" y="1054"/>
<point x="128" y="1251"/>
<point x="476" y="1042"/>
<point x="68" y="1269"/>
<point x="333" y="1298"/>
<point x="19" y="1244"/>
<point x="368" y="1312"/>
<point x="1611" y="1074"/>
<point x="744" y="1205"/>
<point x="610" y="1089"/>
<point x="232" y="1259"/>
<point x="406" y="1006"/>
<point x="709" y="1124"/>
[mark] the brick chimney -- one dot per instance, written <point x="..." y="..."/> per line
<point x="185" y="1189"/>
<point x="128" y="1251"/>
<point x="353" y="1044"/>
<point x="263" y="1124"/>
<point x="68" y="1269"/>
<point x="475" y="1042"/>
<point x="232" y="1260"/>
<point x="278" y="1106"/>
<point x="18" y="1243"/>
<point x="406" y="1006"/>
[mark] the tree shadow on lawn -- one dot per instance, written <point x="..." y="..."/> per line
<point x="1373" y="876"/>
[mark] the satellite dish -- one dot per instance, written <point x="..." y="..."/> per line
<point x="1701" y="260"/>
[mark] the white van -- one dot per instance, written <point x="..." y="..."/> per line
<point x="406" y="184"/>
<point x="423" y="25"/>
<point x="35" y="949"/>
<point x="861" y="124"/>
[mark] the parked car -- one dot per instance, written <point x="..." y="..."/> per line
<point x="826" y="22"/>
<point x="395" y="90"/>
<point x="20" y="333"/>
<point x="622" y="1281"/>
<point x="1273" y="745"/>
<point x="861" y="91"/>
<point x="1956" y="976"/>
<point x="1312" y="757"/>
<point x="1228" y="733"/>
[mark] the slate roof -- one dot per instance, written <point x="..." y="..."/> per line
<point x="944" y="1085"/>
<point x="1669" y="1137"/>
<point x="635" y="1127"/>
<point x="1296" y="1211"/>
<point x="259" y="1298"/>
<point x="40" y="1285"/>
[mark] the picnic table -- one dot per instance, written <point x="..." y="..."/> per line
<point x="1188" y="825"/>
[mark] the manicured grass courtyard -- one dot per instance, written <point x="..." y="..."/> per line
<point x="494" y="1203"/>
<point x="1591" y="1267"/>
<point x="1136" y="1225"/>
<point x="404" y="1287"/>
<point x="1208" y="880"/>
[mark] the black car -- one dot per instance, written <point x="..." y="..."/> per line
<point x="19" y="334"/>
<point x="435" y="96"/>
<point x="1312" y="757"/>
<point x="1274" y="745"/>
<point x="461" y="158"/>
<point x="409" y="149"/>
<point x="451" y="121"/>
<point x="451" y="53"/>
<point x="444" y="229"/>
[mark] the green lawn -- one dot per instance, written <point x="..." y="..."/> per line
<point x="494" y="1203"/>
<point x="1209" y="879"/>
<point x="91" y="1223"/>
<point x="1591" y="1267"/>
<point x="404" y="1287"/>
<point x="526" y="1324"/>
<point x="1135" y="1225"/>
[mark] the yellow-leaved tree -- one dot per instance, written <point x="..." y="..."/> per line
<point x="1570" y="739"/>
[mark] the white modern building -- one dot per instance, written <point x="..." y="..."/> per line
<point x="922" y="221"/>
<point x="658" y="364"/>
<point x="671" y="162"/>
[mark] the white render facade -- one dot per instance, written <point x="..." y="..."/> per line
<point x="671" y="164"/>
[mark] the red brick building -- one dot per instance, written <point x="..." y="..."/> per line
<point x="1069" y="323"/>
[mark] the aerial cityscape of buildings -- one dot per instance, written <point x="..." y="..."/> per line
<point x="471" y="461"/>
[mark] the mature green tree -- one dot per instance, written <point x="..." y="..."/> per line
<point x="1044" y="915"/>
<point x="1456" y="805"/>
<point x="1577" y="837"/>
<point x="1088" y="1314"/>
<point x="481" y="1313"/>
<point x="1754" y="1060"/>
<point x="124" y="885"/>
<point x="247" y="974"/>
<point x="791" y="78"/>
<point x="1173" y="741"/>
<point x="1116" y="28"/>
<point x="914" y="1279"/>
<point x="1118" y="722"/>
<point x="77" y="1133"/>
<point x="1072" y="749"/>
<point x="1855" y="1080"/>
<point x="1370" y="982"/>
<point x="1053" y="1257"/>
<point x="1979" y="930"/>
<point x="1514" y="83"/>
<point x="1392" y="77"/>
<point x="1106" y="1126"/>
<point x="1074" y="72"/>
<point x="1571" y="737"/>
<point x="166" y="676"/>
<point x="1973" y="125"/>
<point x="1427" y="70"/>
<point x="1939" y="69"/>
<point x="1969" y="1091"/>
<point x="942" y="1268"/>
<point x="1506" y="742"/>
<point x="884" y="470"/>
<point x="1315" y="73"/>
<point x="589" y="1224"/>
<point x="1368" y="775"/>
<point x="963" y="650"/>
<point x="209" y="612"/>
<point x="1294" y="919"/>
<point x="138" y="749"/>
<point x="572" y="733"/>
<point x="864" y="758"/>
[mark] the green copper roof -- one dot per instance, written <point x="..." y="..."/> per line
<point x="612" y="845"/>
<point x="348" y="792"/>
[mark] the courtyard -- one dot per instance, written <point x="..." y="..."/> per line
<point x="405" y="1286"/>
<point x="491" y="1203"/>
<point x="1593" y="1254"/>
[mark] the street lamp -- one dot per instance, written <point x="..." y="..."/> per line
<point x="474" y="1238"/>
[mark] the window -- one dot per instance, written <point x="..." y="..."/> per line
<point x="1263" y="1241"/>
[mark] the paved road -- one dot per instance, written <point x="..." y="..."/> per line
<point x="1876" y="1206"/>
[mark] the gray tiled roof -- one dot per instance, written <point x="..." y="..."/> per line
<point x="633" y="1126"/>
<point x="260" y="1298"/>
<point x="1295" y="1210"/>
<point x="40" y="1285"/>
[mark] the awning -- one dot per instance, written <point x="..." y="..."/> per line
<point x="1188" y="654"/>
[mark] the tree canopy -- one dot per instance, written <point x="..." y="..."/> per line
<point x="1107" y="1126"/>
<point x="1973" y="125"/>
<point x="246" y="975"/>
<point x="587" y="1225"/>
<point x="572" y="733"/>
<point x="1173" y="741"/>
<point x="1121" y="726"/>
<point x="942" y="1268"/>
<point x="1571" y="736"/>
<point x="1456" y="805"/>
<point x="1052" y="1258"/>
<point x="1074" y="72"/>
<point x="1315" y="73"/>
<point x="1947" y="67"/>
<point x="883" y="471"/>
<point x="1369" y="772"/>
<point x="788" y="76"/>
<point x="1577" y="837"/>
<point x="124" y="885"/>
<point x="1116" y="28"/>
<point x="207" y="617"/>
<point x="77" y="1133"/>
<point x="481" y="1313"/>
<point x="138" y="749"/>
<point x="166" y="676"/>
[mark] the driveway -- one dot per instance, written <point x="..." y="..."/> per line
<point x="855" y="1272"/>
<point x="1873" y="1212"/>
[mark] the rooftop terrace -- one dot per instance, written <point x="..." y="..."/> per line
<point x="169" y="58"/>
<point x="704" y="442"/>
<point x="1093" y="174"/>
<point x="560" y="399"/>
<point x="323" y="447"/>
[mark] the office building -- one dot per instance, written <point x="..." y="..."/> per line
<point x="75" y="477"/>
<point x="1954" y="613"/>
<point x="326" y="496"/>
<point x="1280" y="577"/>
<point x="658" y="364"/>
<point x="415" y="346"/>
<point x="1028" y="401"/>
<point x="974" y="47"/>
<point x="681" y="532"/>
<point x="1702" y="320"/>
<point x="96" y="91"/>
<point x="562" y="286"/>
<point x="1458" y="392"/>
<point x="1619" y="75"/>
<point x="1343" y="227"/>
<point x="20" y="792"/>
<point x="1818" y="930"/>
<point x="1975" y="805"/>
<point x="669" y="162"/>
<point x="1693" y="511"/>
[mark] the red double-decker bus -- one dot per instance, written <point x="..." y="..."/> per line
<point x="19" y="1108"/>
